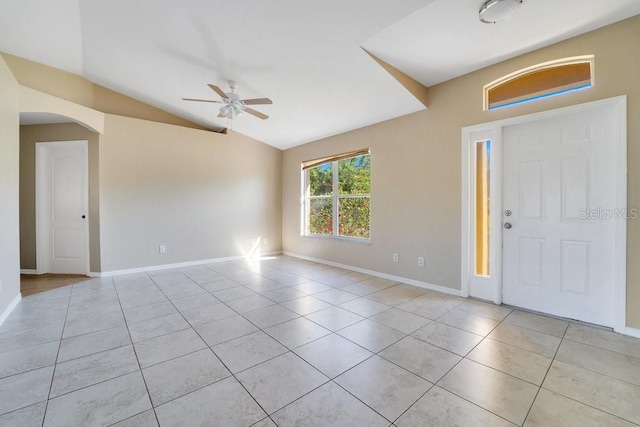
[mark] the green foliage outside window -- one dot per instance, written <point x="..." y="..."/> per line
<point x="354" y="188"/>
<point x="321" y="216"/>
<point x="321" y="180"/>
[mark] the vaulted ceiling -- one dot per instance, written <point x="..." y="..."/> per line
<point x="306" y="56"/>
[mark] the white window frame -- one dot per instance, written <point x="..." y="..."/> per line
<point x="335" y="198"/>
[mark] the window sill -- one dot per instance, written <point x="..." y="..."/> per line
<point x="356" y="240"/>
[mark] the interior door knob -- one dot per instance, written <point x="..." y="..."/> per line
<point x="507" y="225"/>
<point x="84" y="216"/>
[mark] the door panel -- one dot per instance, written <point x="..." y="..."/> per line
<point x="555" y="260"/>
<point x="68" y="244"/>
<point x="66" y="220"/>
<point x="531" y="183"/>
<point x="68" y="177"/>
<point x="531" y="255"/>
<point x="575" y="187"/>
<point x="575" y="262"/>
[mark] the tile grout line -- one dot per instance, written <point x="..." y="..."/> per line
<point x="289" y="351"/>
<point x="363" y="319"/>
<point x="53" y="374"/>
<point x="436" y="384"/>
<point x="605" y="349"/>
<point x="571" y="398"/>
<point x="484" y="337"/>
<point x="214" y="353"/>
<point x="382" y="357"/>
<point x="433" y="384"/>
<point x="373" y="353"/>
<point x="113" y="284"/>
<point x="144" y="381"/>
<point x="543" y="379"/>
<point x="364" y="403"/>
<point x="282" y="268"/>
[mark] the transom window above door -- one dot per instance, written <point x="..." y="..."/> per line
<point x="337" y="196"/>
<point x="540" y="81"/>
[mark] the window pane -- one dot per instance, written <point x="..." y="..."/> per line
<point x="354" y="214"/>
<point x="321" y="180"/>
<point x="540" y="82"/>
<point x="321" y="216"/>
<point x="354" y="175"/>
<point x="483" y="155"/>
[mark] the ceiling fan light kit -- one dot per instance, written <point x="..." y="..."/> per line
<point x="234" y="106"/>
<point x="493" y="11"/>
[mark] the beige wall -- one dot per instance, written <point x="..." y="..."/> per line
<point x="9" y="197"/>
<point x="154" y="179"/>
<point x="29" y="135"/>
<point x="202" y="194"/>
<point x="416" y="187"/>
<point x="81" y="91"/>
<point x="111" y="102"/>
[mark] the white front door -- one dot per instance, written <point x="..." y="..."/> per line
<point x="63" y="207"/>
<point x="559" y="197"/>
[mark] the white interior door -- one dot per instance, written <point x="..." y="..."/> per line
<point x="63" y="207"/>
<point x="560" y="188"/>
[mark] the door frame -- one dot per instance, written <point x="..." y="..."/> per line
<point x="490" y="288"/>
<point x="43" y="262"/>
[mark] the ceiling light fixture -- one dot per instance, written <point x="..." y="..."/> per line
<point x="493" y="11"/>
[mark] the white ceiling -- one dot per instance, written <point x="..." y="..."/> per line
<point x="304" y="55"/>
<point x="446" y="39"/>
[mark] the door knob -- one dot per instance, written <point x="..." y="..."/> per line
<point x="507" y="225"/>
<point x="84" y="216"/>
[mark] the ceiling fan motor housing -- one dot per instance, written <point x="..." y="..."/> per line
<point x="234" y="106"/>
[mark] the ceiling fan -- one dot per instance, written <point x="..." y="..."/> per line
<point x="233" y="105"/>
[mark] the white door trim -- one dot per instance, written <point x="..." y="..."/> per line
<point x="493" y="131"/>
<point x="42" y="261"/>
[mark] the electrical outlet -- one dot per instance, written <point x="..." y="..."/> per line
<point x="421" y="261"/>
<point x="396" y="257"/>
<point x="163" y="249"/>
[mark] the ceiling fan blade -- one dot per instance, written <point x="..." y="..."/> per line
<point x="219" y="91"/>
<point x="258" y="114"/>
<point x="202" y="100"/>
<point x="257" y="101"/>
<point x="222" y="116"/>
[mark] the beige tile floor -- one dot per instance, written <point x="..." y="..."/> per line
<point x="289" y="342"/>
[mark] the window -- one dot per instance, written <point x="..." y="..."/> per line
<point x="540" y="81"/>
<point x="483" y="181"/>
<point x="337" y="195"/>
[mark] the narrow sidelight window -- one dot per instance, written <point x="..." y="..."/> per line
<point x="483" y="209"/>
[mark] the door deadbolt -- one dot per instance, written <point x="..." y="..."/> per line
<point x="507" y="212"/>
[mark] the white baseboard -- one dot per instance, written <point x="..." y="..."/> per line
<point x="9" y="309"/>
<point x="169" y="266"/>
<point x="632" y="332"/>
<point x="29" y="271"/>
<point x="399" y="279"/>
